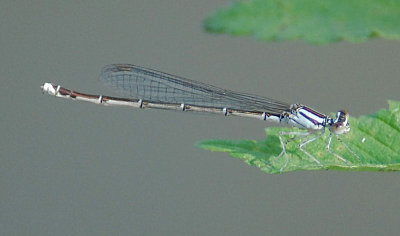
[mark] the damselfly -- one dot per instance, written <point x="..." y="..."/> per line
<point x="148" y="88"/>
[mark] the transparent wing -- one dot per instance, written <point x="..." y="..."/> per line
<point x="155" y="86"/>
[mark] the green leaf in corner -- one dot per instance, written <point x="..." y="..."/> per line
<point x="312" y="21"/>
<point x="374" y="138"/>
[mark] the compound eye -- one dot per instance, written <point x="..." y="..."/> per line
<point x="340" y="124"/>
<point x="342" y="116"/>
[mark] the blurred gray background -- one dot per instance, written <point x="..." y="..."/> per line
<point x="69" y="168"/>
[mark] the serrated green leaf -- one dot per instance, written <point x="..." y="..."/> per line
<point x="374" y="138"/>
<point x="312" y="21"/>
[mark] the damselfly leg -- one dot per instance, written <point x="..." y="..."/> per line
<point x="345" y="145"/>
<point x="299" y="135"/>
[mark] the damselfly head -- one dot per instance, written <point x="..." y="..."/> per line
<point x="341" y="124"/>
